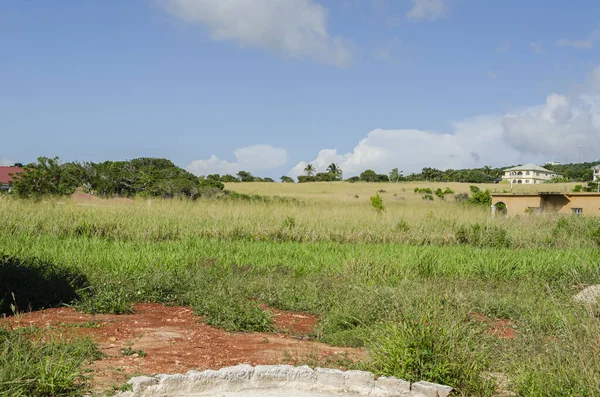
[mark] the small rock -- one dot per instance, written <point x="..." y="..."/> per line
<point x="590" y="294"/>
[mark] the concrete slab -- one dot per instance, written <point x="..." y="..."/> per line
<point x="278" y="381"/>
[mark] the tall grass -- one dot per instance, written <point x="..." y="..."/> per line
<point x="411" y="284"/>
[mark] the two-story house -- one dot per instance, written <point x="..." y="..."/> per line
<point x="528" y="173"/>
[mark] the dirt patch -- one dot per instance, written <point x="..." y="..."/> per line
<point x="291" y="322"/>
<point x="499" y="327"/>
<point x="170" y="339"/>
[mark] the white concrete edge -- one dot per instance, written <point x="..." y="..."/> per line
<point x="285" y="377"/>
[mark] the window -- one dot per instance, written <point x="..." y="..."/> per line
<point x="577" y="211"/>
<point x="537" y="174"/>
<point x="526" y="180"/>
<point x="527" y="173"/>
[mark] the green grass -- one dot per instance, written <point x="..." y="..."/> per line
<point x="409" y="299"/>
<point x="32" y="364"/>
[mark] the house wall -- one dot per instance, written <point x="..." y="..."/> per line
<point x="562" y="204"/>
<point x="517" y="205"/>
<point x="589" y="204"/>
<point x="533" y="176"/>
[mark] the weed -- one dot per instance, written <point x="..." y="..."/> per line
<point x="377" y="203"/>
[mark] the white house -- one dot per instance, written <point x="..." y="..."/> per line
<point x="528" y="173"/>
<point x="596" y="170"/>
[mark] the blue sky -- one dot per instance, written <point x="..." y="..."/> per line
<point x="269" y="85"/>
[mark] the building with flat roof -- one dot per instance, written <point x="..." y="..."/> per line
<point x="510" y="204"/>
<point x="528" y="174"/>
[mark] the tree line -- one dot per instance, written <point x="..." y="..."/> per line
<point x="145" y="177"/>
<point x="156" y="177"/>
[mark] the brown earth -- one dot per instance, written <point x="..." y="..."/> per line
<point x="502" y="328"/>
<point x="170" y="339"/>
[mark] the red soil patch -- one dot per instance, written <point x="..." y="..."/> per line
<point x="501" y="328"/>
<point x="293" y="323"/>
<point x="176" y="341"/>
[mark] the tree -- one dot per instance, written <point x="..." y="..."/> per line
<point x="368" y="176"/>
<point x="245" y="176"/>
<point x="335" y="170"/>
<point x="228" y="178"/>
<point x="286" y="179"/>
<point x="309" y="169"/>
<point x="395" y="175"/>
<point x="46" y="177"/>
<point x="267" y="179"/>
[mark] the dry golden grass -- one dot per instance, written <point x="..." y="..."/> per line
<point x="345" y="191"/>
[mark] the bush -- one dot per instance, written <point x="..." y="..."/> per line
<point x="577" y="188"/>
<point x="448" y="191"/>
<point x="439" y="193"/>
<point x="377" y="203"/>
<point x="482" y="197"/>
<point x="428" y="197"/>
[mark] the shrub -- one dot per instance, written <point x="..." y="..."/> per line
<point x="439" y="193"/>
<point x="428" y="197"/>
<point x="448" y="191"/>
<point x="377" y="203"/>
<point x="479" y="196"/>
<point x="416" y="190"/>
<point x="577" y="188"/>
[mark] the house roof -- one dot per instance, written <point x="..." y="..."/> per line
<point x="528" y="167"/>
<point x="5" y="171"/>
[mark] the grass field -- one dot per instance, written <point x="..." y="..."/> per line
<point x="421" y="285"/>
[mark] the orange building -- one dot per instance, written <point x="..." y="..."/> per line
<point x="509" y="204"/>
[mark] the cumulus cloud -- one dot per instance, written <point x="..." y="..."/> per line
<point x="556" y="128"/>
<point x="251" y="158"/>
<point x="586" y="43"/>
<point x="292" y="28"/>
<point x="551" y="131"/>
<point x="427" y="9"/>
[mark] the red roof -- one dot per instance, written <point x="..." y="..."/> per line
<point x="5" y="178"/>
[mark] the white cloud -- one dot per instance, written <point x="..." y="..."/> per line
<point x="551" y="131"/>
<point x="537" y="47"/>
<point x="586" y="43"/>
<point x="555" y="128"/>
<point x="292" y="28"/>
<point x="253" y="158"/>
<point x="6" y="161"/>
<point x="427" y="9"/>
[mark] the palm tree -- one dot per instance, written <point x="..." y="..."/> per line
<point x="309" y="169"/>
<point x="335" y="170"/>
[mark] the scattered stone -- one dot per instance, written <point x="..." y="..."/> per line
<point x="590" y="295"/>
